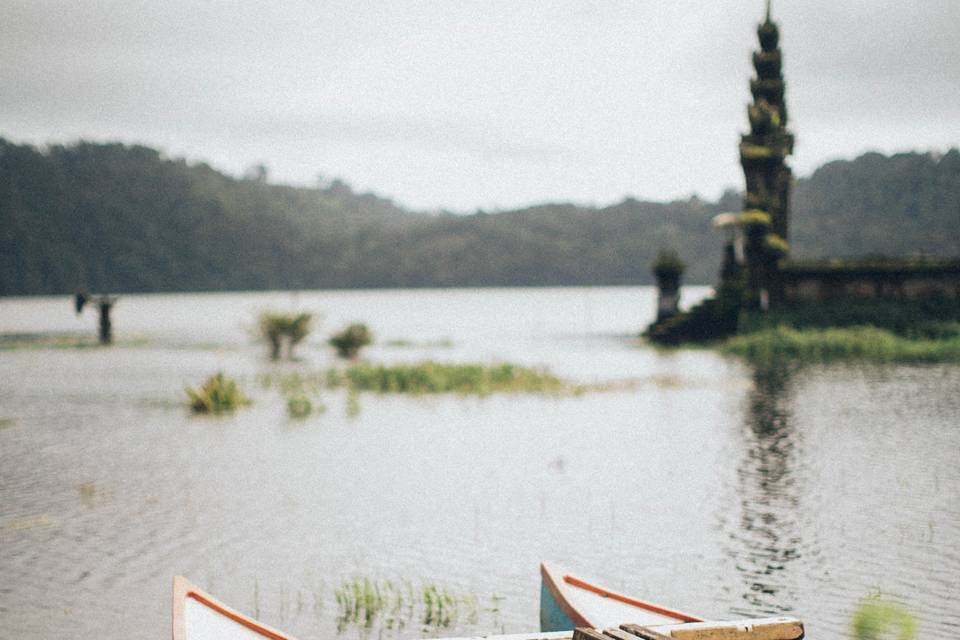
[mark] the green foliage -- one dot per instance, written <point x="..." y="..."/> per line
<point x="299" y="406"/>
<point x="436" y="377"/>
<point x="219" y="394"/>
<point x="363" y="602"/>
<point x="900" y="205"/>
<point x="854" y="343"/>
<point x="877" y="618"/>
<point x="668" y="265"/>
<point x="279" y="328"/>
<point x="349" y="341"/>
<point x="934" y="318"/>
<point x="125" y="219"/>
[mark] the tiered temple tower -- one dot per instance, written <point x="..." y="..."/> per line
<point x="764" y="150"/>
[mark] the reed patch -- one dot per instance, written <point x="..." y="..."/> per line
<point x="218" y="395"/>
<point x="853" y="343"/>
<point x="434" y="377"/>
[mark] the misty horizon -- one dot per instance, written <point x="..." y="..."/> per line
<point x="471" y="107"/>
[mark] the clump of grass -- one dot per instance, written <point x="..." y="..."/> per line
<point x="219" y="394"/>
<point x="877" y="618"/>
<point x="361" y="601"/>
<point x="435" y="377"/>
<point x="299" y="407"/>
<point x="349" y="341"/>
<point x="855" y="343"/>
<point x="284" y="330"/>
<point x="364" y="602"/>
<point x="7" y="422"/>
<point x="440" y="607"/>
<point x="936" y="318"/>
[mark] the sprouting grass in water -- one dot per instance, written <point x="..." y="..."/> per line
<point x="300" y="406"/>
<point x="853" y="343"/>
<point x="219" y="394"/>
<point x="877" y="618"/>
<point x="435" y="377"/>
<point x="364" y="602"/>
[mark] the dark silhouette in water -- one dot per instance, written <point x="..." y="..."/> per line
<point x="104" y="304"/>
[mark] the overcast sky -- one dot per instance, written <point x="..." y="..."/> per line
<point x="464" y="104"/>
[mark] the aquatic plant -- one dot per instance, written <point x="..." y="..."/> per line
<point x="219" y="394"/>
<point x="437" y="377"/>
<point x="362" y="601"/>
<point x="284" y="329"/>
<point x="934" y="318"/>
<point x="863" y="343"/>
<point x="349" y="341"/>
<point x="299" y="406"/>
<point x="878" y="618"/>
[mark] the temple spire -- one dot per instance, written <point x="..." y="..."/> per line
<point x="763" y="151"/>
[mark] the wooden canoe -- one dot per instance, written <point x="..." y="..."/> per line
<point x="199" y="616"/>
<point x="568" y="602"/>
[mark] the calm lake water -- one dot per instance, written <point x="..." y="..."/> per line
<point x="704" y="484"/>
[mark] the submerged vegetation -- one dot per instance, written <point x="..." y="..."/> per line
<point x="219" y="394"/>
<point x="284" y="330"/>
<point x="349" y="341"/>
<point x="364" y="602"/>
<point x="862" y="343"/>
<point x="300" y="406"/>
<point x="436" y="377"/>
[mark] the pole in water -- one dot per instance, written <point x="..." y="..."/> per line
<point x="106" y="328"/>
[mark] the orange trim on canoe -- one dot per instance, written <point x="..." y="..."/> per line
<point x="640" y="604"/>
<point x="183" y="589"/>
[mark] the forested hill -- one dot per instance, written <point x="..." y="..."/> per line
<point x="116" y="218"/>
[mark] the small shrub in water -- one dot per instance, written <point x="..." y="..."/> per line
<point x="280" y="328"/>
<point x="879" y="619"/>
<point x="299" y="406"/>
<point x="219" y="394"/>
<point x="349" y="341"/>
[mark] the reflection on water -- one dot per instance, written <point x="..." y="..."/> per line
<point x="768" y="538"/>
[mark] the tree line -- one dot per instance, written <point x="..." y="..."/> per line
<point x="119" y="218"/>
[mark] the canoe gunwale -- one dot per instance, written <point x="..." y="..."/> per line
<point x="562" y="587"/>
<point x="634" y="602"/>
<point x="184" y="589"/>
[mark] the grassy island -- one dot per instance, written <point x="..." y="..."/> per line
<point x="841" y="343"/>
<point x="437" y="377"/>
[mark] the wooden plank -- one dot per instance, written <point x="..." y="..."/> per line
<point x="755" y="629"/>
<point x="586" y="633"/>
<point x="621" y="634"/>
<point x="762" y="629"/>
<point x="646" y="633"/>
